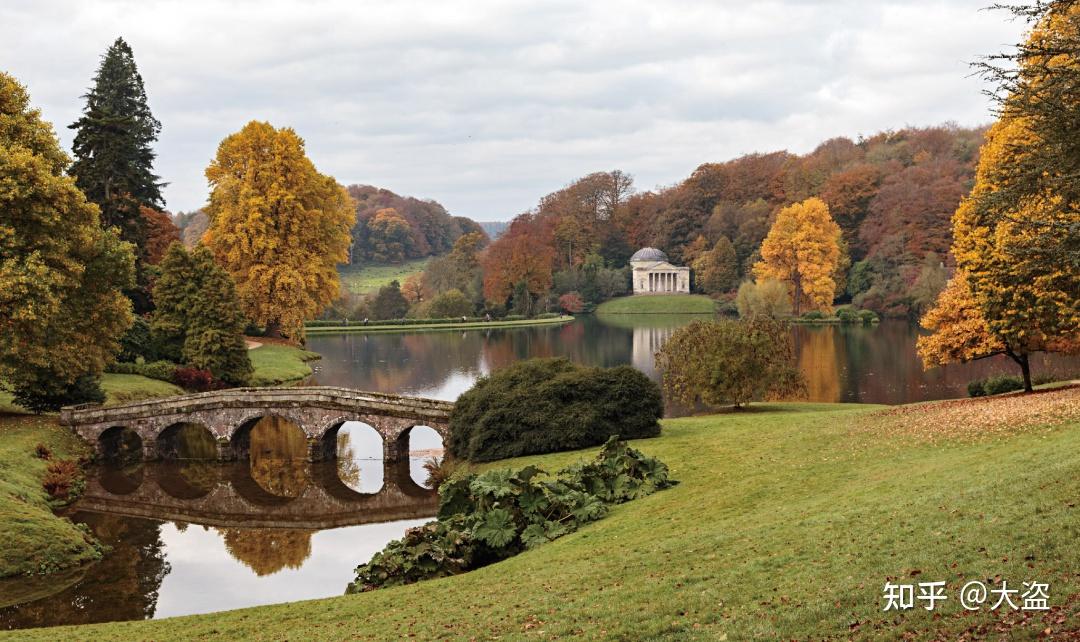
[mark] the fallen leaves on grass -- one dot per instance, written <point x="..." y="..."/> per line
<point x="978" y="418"/>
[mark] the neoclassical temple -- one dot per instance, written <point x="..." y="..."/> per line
<point x="653" y="273"/>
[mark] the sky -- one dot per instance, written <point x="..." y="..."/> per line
<point x="486" y="106"/>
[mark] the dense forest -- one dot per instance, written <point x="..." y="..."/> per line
<point x="892" y="194"/>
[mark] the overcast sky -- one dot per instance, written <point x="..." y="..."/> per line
<point x="487" y="106"/>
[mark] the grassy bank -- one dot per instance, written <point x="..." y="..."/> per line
<point x="277" y="364"/>
<point x="34" y="540"/>
<point x="658" y="304"/>
<point x="365" y="279"/>
<point x="431" y="327"/>
<point x="788" y="522"/>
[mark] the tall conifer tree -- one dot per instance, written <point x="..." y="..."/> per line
<point x="113" y="150"/>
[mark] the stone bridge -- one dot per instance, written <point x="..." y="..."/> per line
<point x="226" y="495"/>
<point x="229" y="415"/>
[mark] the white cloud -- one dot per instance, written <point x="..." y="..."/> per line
<point x="487" y="106"/>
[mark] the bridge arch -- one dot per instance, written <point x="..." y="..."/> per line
<point x="186" y="440"/>
<point x="120" y="444"/>
<point x="230" y="414"/>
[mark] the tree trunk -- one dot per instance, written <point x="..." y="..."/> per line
<point x="273" y="330"/>
<point x="796" y="306"/>
<point x="1025" y="367"/>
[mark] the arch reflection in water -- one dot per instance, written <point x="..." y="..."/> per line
<point x="424" y="445"/>
<point x="277" y="455"/>
<point x="359" y="456"/>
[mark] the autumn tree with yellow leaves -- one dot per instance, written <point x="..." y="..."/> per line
<point x="803" y="250"/>
<point x="1015" y="237"/>
<point x="277" y="225"/>
<point x="62" y="310"/>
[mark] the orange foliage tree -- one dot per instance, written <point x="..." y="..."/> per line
<point x="160" y="234"/>
<point x="277" y="225"/>
<point x="520" y="255"/>
<point x="803" y="249"/>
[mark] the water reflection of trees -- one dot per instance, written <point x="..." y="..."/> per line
<point x="279" y="456"/>
<point x="844" y="363"/>
<point x="123" y="586"/>
<point x="268" y="550"/>
<point x="816" y="352"/>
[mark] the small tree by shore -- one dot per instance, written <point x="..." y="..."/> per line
<point x="730" y="362"/>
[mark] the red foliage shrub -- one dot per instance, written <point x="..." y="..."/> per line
<point x="60" y="476"/>
<point x="43" y="452"/>
<point x="195" y="380"/>
<point x="571" y="302"/>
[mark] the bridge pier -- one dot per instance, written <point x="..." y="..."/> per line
<point x="149" y="449"/>
<point x="317" y="450"/>
<point x="225" y="450"/>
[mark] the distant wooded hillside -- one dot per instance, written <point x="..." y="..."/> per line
<point x="389" y="228"/>
<point x="892" y="194"/>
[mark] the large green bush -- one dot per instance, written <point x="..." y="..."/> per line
<point x="495" y="515"/>
<point x="547" y="405"/>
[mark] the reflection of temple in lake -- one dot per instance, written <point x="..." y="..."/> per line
<point x="647" y="341"/>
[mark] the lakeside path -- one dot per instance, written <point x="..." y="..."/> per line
<point x="432" y="327"/>
<point x="787" y="522"/>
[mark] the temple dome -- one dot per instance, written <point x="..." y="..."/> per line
<point x="648" y="254"/>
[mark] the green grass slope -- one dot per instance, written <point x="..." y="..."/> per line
<point x="658" y="304"/>
<point x="788" y="522"/>
<point x="365" y="279"/>
<point x="33" y="539"/>
<point x="277" y="364"/>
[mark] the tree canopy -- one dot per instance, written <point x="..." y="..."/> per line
<point x="730" y="362"/>
<point x="1015" y="237"/>
<point x="277" y="225"/>
<point x="61" y="274"/>
<point x="802" y="249"/>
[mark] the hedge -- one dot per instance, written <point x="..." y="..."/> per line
<point x="161" y="370"/>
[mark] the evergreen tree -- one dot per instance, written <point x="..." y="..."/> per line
<point x="198" y="319"/>
<point x="717" y="270"/>
<point x="215" y="336"/>
<point x="61" y="307"/>
<point x="176" y="288"/>
<point x="113" y="154"/>
<point x="390" y="303"/>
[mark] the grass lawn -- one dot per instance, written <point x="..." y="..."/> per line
<point x="125" y="388"/>
<point x="658" y="304"/>
<point x="277" y="364"/>
<point x="119" y="388"/>
<point x="430" y="327"/>
<point x="364" y="279"/>
<point x="34" y="540"/>
<point x="788" y="521"/>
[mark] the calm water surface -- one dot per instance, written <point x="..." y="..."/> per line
<point x="195" y="537"/>
<point x="850" y="363"/>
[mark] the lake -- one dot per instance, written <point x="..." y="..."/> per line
<point x="193" y="537"/>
